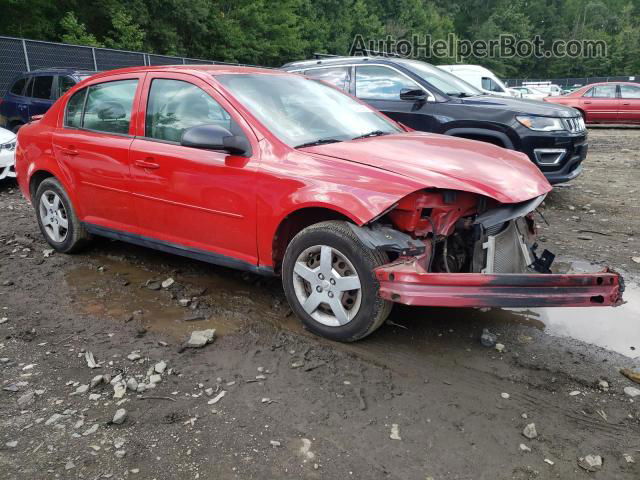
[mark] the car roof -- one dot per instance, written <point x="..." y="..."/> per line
<point x="218" y="69"/>
<point x="336" y="61"/>
<point x="71" y="71"/>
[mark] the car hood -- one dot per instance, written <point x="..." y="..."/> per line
<point x="521" y="106"/>
<point x="6" y="136"/>
<point x="440" y="161"/>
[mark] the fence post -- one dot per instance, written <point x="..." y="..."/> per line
<point x="95" y="64"/>
<point x="26" y="56"/>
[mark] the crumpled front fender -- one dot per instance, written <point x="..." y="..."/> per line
<point x="408" y="283"/>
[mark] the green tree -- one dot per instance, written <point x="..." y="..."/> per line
<point x="126" y="34"/>
<point x="75" y="32"/>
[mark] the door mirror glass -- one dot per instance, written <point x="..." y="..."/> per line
<point x="413" y="94"/>
<point x="215" y="137"/>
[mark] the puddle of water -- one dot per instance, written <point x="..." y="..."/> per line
<point x="235" y="303"/>
<point x="616" y="329"/>
<point x="233" y="300"/>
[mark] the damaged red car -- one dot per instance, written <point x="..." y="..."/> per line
<point x="275" y="173"/>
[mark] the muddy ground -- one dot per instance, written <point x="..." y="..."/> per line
<point x="297" y="406"/>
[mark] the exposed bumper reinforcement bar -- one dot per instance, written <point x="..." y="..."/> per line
<point x="408" y="283"/>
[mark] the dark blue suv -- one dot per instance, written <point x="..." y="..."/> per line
<point x="32" y="93"/>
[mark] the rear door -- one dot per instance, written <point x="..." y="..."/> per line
<point x="601" y="104"/>
<point x="42" y="94"/>
<point x="380" y="86"/>
<point x="201" y="199"/>
<point x="629" y="104"/>
<point x="93" y="143"/>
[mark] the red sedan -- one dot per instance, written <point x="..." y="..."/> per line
<point x="276" y="173"/>
<point x="605" y="102"/>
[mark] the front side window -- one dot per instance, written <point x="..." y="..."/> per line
<point x="602" y="91"/>
<point x="381" y="83"/>
<point x="64" y="84"/>
<point x="108" y="106"/>
<point x="300" y="111"/>
<point x="18" y="86"/>
<point x="629" y="91"/>
<point x="438" y="78"/>
<point x="175" y="105"/>
<point x="73" y="114"/>
<point x="338" y="77"/>
<point x="42" y="87"/>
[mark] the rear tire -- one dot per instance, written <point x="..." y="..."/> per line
<point x="57" y="218"/>
<point x="328" y="279"/>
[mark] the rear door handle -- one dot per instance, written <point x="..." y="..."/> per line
<point x="69" y="151"/>
<point x="626" y="104"/>
<point x="146" y="164"/>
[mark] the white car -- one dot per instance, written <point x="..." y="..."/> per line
<point x="480" y="77"/>
<point x="528" y="92"/>
<point x="7" y="154"/>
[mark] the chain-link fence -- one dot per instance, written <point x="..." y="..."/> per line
<point x="572" y="81"/>
<point x="18" y="55"/>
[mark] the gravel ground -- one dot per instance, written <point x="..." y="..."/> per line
<point x="420" y="399"/>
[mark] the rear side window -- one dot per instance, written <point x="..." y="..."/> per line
<point x="18" y="86"/>
<point x="602" y="91"/>
<point x="175" y="105"/>
<point x="381" y="83"/>
<point x="42" y="87"/>
<point x="73" y="115"/>
<point x="108" y="106"/>
<point x="338" y="77"/>
<point x="64" y="84"/>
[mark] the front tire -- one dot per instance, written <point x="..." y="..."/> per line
<point x="57" y="218"/>
<point x="328" y="279"/>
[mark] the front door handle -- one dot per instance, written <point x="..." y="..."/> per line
<point x="146" y="164"/>
<point x="587" y="103"/>
<point x="69" y="151"/>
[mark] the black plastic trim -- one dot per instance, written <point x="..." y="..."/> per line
<point x="196" y="254"/>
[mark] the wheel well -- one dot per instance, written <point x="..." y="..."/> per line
<point x="584" y="115"/>
<point x="36" y="180"/>
<point x="296" y="221"/>
<point x="482" y="138"/>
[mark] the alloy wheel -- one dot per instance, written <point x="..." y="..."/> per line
<point x="53" y="216"/>
<point x="327" y="285"/>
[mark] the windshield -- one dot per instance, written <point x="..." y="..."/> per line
<point x="444" y="81"/>
<point x="301" y="111"/>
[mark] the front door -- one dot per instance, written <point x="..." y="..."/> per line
<point x="200" y="199"/>
<point x="93" y="147"/>
<point x="629" y="104"/>
<point x="380" y="87"/>
<point x="601" y="104"/>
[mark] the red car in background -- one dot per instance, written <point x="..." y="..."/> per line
<point x="611" y="102"/>
<point x="276" y="173"/>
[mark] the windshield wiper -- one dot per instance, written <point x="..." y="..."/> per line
<point x="375" y="133"/>
<point x="321" y="141"/>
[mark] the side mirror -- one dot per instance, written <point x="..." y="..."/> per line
<point x="215" y="137"/>
<point x="413" y="94"/>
